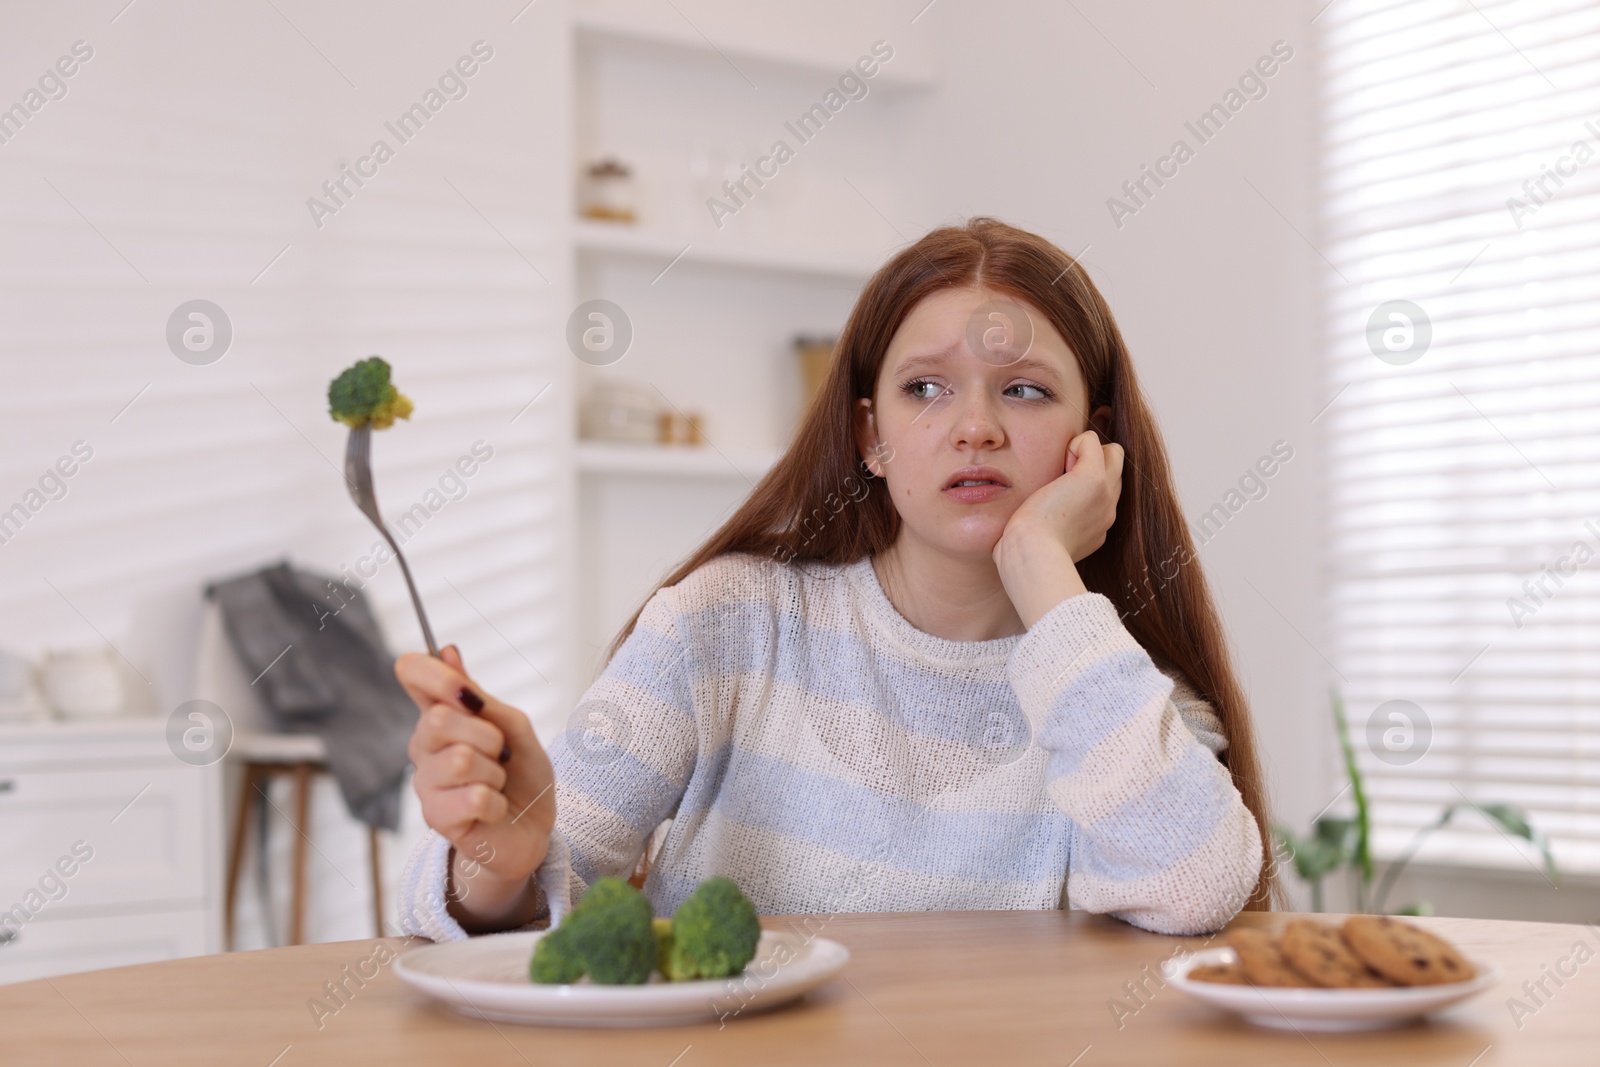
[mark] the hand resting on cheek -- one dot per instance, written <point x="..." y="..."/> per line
<point x="1059" y="524"/>
<point x="1076" y="509"/>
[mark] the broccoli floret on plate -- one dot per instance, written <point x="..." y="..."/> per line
<point x="607" y="935"/>
<point x="363" y="394"/>
<point x="612" y="933"/>
<point x="553" y="959"/>
<point x="714" y="933"/>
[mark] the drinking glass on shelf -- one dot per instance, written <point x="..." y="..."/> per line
<point x="620" y="409"/>
<point x="20" y="700"/>
<point x="703" y="167"/>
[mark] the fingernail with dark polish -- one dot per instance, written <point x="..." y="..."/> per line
<point x="470" y="700"/>
<point x="505" y="754"/>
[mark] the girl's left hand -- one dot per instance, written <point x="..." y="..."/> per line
<point x="1074" y="510"/>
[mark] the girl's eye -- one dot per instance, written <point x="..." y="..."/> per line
<point x="914" y="389"/>
<point x="1041" y="391"/>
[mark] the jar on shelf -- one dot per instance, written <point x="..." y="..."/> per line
<point x="815" y="354"/>
<point x="609" y="192"/>
<point x="685" y="428"/>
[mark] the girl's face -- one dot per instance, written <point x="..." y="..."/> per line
<point x="972" y="379"/>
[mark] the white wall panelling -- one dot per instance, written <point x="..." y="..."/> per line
<point x="178" y="167"/>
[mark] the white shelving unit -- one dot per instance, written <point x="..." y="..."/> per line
<point x="688" y="461"/>
<point x="714" y="309"/>
<point x="614" y="239"/>
<point x="650" y="30"/>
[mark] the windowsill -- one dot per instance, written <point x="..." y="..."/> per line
<point x="1474" y="891"/>
<point x="1523" y="875"/>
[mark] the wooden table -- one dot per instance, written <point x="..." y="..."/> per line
<point x="921" y="989"/>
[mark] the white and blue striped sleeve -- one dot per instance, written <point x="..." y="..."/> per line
<point x="1161" y="837"/>
<point x="424" y="909"/>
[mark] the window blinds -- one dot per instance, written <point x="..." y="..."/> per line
<point x="1460" y="171"/>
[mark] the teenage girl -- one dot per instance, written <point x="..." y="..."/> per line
<point x="955" y="651"/>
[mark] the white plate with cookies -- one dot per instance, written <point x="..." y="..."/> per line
<point x="1368" y="973"/>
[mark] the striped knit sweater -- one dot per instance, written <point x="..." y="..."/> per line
<point x="810" y="743"/>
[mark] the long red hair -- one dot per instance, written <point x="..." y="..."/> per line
<point x="1147" y="566"/>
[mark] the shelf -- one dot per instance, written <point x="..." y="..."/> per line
<point x="688" y="461"/>
<point x="606" y="26"/>
<point x="47" y="729"/>
<point x="624" y="239"/>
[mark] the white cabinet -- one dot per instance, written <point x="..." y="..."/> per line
<point x="63" y="946"/>
<point x="111" y="849"/>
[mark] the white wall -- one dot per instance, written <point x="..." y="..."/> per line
<point x="191" y="143"/>
<point x="178" y="166"/>
<point x="1044" y="112"/>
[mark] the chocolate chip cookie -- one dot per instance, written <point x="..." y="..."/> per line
<point x="1318" y="951"/>
<point x="1262" y="960"/>
<point x="1404" y="954"/>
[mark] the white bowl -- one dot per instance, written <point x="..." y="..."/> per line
<point x="487" y="977"/>
<point x="1325" y="1009"/>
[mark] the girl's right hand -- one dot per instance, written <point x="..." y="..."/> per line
<point x="499" y="816"/>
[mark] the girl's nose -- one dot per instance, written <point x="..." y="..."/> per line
<point x="975" y="423"/>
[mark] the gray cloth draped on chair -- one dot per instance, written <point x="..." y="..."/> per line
<point x="330" y="674"/>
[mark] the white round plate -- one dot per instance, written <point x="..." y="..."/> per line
<point x="1325" y="1009"/>
<point x="487" y="977"/>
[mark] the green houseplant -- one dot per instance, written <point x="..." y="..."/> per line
<point x="1337" y="842"/>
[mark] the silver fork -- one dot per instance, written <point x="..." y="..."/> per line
<point x="358" y="473"/>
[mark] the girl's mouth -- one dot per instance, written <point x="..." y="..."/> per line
<point x="976" y="485"/>
<point x="975" y="493"/>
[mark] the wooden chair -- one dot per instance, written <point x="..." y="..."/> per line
<point x="261" y="756"/>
